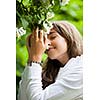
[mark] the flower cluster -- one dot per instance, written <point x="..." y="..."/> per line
<point x="20" y="32"/>
<point x="36" y="13"/>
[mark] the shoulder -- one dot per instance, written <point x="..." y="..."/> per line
<point x="72" y="70"/>
<point x="75" y="61"/>
<point x="71" y="74"/>
<point x="73" y="64"/>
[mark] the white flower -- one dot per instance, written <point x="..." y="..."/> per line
<point x="64" y="2"/>
<point x="47" y="27"/>
<point x="20" y="32"/>
<point x="50" y="15"/>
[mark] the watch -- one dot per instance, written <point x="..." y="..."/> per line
<point x="30" y="63"/>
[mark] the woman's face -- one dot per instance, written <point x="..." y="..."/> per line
<point x="57" y="46"/>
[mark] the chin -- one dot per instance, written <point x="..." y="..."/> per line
<point x="52" y="57"/>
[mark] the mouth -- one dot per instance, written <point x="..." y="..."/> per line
<point x="50" y="49"/>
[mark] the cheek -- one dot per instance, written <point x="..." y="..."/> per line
<point x="62" y="49"/>
<point x="59" y="51"/>
<point x="62" y="45"/>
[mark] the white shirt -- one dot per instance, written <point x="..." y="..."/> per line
<point x="68" y="84"/>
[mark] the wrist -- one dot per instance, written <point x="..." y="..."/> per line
<point x="35" y="58"/>
<point x="30" y="63"/>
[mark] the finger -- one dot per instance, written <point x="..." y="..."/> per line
<point x="45" y="43"/>
<point x="41" y="35"/>
<point x="35" y="34"/>
<point x="28" y="41"/>
<point x="45" y="39"/>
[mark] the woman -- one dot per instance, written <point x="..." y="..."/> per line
<point x="60" y="77"/>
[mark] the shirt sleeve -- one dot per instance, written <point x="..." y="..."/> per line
<point x="66" y="86"/>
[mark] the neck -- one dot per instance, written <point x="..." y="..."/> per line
<point x="63" y="59"/>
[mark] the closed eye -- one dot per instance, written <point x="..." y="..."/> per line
<point x="52" y="37"/>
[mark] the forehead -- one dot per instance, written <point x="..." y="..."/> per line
<point x="52" y="31"/>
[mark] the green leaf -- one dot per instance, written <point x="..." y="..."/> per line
<point x="24" y="22"/>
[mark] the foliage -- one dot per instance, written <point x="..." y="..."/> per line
<point x="33" y="13"/>
<point x="72" y="12"/>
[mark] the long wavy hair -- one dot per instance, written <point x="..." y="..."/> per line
<point x="75" y="48"/>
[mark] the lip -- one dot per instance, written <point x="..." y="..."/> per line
<point x="50" y="49"/>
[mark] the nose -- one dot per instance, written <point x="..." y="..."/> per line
<point x="48" y="42"/>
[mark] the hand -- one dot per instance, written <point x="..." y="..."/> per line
<point x="36" y="45"/>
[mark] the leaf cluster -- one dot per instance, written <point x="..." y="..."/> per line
<point x="33" y="13"/>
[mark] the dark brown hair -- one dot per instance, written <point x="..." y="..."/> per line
<point x="75" y="48"/>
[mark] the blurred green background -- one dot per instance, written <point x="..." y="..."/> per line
<point x="73" y="12"/>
